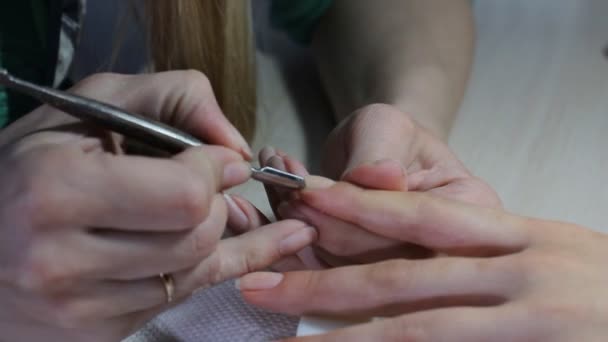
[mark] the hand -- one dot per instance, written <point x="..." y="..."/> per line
<point x="501" y="277"/>
<point x="86" y="232"/>
<point x="377" y="134"/>
<point x="379" y="147"/>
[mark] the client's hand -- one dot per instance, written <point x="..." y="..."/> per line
<point x="379" y="133"/>
<point x="85" y="232"/>
<point x="501" y="277"/>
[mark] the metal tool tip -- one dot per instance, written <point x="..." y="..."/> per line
<point x="276" y="177"/>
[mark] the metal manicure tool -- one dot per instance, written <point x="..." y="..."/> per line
<point x="142" y="129"/>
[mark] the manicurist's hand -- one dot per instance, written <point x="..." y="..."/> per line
<point x="500" y="277"/>
<point x="86" y="231"/>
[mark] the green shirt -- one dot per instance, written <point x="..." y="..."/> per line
<point x="27" y="49"/>
<point x="298" y="18"/>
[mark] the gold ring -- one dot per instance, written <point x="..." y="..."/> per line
<point x="169" y="285"/>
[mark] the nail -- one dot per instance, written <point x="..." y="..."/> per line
<point x="391" y="162"/>
<point x="236" y="173"/>
<point x="259" y="281"/>
<point x="276" y="162"/>
<point x="318" y="182"/>
<point x="297" y="241"/>
<point x="246" y="152"/>
<point x="245" y="149"/>
<point x="265" y="154"/>
<point x="236" y="216"/>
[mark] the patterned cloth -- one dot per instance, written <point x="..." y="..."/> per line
<point x="217" y="314"/>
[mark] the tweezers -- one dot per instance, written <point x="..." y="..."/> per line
<point x="137" y="127"/>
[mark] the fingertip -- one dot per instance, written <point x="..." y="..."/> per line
<point x="265" y="154"/>
<point x="259" y="281"/>
<point x="317" y="182"/>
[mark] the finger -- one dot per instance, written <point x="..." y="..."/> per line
<point x="234" y="257"/>
<point x="455" y="324"/>
<point x="133" y="193"/>
<point x="252" y="251"/>
<point x="254" y="219"/>
<point x="373" y="140"/>
<point x="430" y="221"/>
<point x="294" y="166"/>
<point x="183" y="99"/>
<point x="384" y="174"/>
<point x="338" y="237"/>
<point x="242" y="215"/>
<point x="127" y="255"/>
<point x="396" y="286"/>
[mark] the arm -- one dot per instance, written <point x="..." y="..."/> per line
<point x="413" y="54"/>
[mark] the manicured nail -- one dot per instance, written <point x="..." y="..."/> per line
<point x="298" y="240"/>
<point x="236" y="216"/>
<point x="276" y="162"/>
<point x="318" y="182"/>
<point x="266" y="153"/>
<point x="236" y="172"/>
<point x="390" y="162"/>
<point x="259" y="281"/>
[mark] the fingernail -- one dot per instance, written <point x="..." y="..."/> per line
<point x="236" y="172"/>
<point x="298" y="240"/>
<point x="259" y="281"/>
<point x="391" y="162"/>
<point x="276" y="162"/>
<point x="245" y="149"/>
<point x="266" y="153"/>
<point x="236" y="216"/>
<point x="317" y="182"/>
<point x="246" y="152"/>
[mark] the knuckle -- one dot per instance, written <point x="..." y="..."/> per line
<point x="194" y="201"/>
<point x="197" y="80"/>
<point x="96" y="81"/>
<point x="41" y="201"/>
<point x="41" y="275"/>
<point x="214" y="271"/>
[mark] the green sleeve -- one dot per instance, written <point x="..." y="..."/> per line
<point x="298" y="18"/>
<point x="25" y="51"/>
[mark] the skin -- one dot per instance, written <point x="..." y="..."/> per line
<point x="91" y="228"/>
<point x="394" y="96"/>
<point x="413" y="56"/>
<point x="499" y="276"/>
<point x="431" y="168"/>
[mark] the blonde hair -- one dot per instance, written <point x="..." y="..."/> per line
<point x="214" y="37"/>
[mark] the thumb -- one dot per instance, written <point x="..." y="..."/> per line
<point x="383" y="174"/>
<point x="183" y="99"/>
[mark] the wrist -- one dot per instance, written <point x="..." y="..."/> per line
<point x="426" y="95"/>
